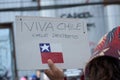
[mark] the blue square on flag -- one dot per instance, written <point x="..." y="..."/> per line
<point x="51" y="51"/>
<point x="45" y="47"/>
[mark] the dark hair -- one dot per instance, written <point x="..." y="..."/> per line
<point x="103" y="68"/>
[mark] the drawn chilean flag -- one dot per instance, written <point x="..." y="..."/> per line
<point x="51" y="51"/>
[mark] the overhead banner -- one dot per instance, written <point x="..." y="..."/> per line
<point x="38" y="39"/>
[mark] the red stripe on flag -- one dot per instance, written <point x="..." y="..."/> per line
<point x="56" y="57"/>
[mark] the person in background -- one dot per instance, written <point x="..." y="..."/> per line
<point x="33" y="77"/>
<point x="4" y="76"/>
<point x="104" y="64"/>
<point x="38" y="74"/>
<point x="24" y="78"/>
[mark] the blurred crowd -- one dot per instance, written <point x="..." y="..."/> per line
<point x="32" y="77"/>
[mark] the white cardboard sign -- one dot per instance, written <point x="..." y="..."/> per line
<point x="38" y="39"/>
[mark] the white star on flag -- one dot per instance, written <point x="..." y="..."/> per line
<point x="45" y="47"/>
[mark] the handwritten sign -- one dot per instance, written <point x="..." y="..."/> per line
<point x="38" y="39"/>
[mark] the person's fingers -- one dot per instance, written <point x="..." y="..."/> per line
<point x="52" y="65"/>
<point x="48" y="73"/>
<point x="54" y="73"/>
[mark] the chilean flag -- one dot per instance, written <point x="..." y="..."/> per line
<point x="51" y="51"/>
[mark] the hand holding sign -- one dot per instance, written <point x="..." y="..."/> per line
<point x="54" y="73"/>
